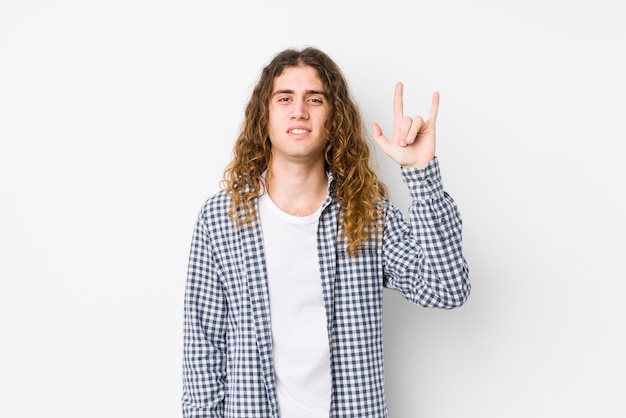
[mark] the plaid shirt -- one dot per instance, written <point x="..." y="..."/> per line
<point x="227" y="359"/>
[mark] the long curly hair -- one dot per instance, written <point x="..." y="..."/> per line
<point x="347" y="155"/>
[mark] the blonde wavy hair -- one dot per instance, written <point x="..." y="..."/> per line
<point x="347" y="155"/>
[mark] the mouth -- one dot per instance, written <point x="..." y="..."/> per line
<point x="299" y="131"/>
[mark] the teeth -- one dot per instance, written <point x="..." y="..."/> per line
<point x="299" y="131"/>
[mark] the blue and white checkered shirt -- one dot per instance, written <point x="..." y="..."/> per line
<point x="227" y="359"/>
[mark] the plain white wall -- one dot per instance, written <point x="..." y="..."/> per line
<point x="118" y="117"/>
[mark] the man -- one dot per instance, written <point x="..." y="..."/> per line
<point x="283" y="303"/>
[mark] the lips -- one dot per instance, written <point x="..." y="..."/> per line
<point x="299" y="131"/>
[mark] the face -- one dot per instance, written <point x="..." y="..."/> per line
<point x="297" y="114"/>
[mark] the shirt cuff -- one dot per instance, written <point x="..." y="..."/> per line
<point x="424" y="183"/>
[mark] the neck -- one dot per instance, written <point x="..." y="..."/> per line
<point x="297" y="189"/>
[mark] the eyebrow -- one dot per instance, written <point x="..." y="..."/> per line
<point x="287" y="91"/>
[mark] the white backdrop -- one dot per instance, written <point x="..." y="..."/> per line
<point x="118" y="117"/>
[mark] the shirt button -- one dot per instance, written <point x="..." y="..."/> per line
<point x="442" y="220"/>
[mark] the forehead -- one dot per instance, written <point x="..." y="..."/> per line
<point x="301" y="77"/>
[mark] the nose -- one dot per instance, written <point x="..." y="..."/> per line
<point x="299" y="110"/>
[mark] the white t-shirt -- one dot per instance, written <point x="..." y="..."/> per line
<point x="299" y="330"/>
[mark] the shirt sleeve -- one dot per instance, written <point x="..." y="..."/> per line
<point x="205" y="321"/>
<point x="423" y="258"/>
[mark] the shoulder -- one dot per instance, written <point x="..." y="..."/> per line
<point x="393" y="219"/>
<point x="215" y="208"/>
<point x="217" y="202"/>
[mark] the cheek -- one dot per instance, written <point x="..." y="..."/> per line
<point x="323" y="118"/>
<point x="274" y="118"/>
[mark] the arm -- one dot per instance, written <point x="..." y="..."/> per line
<point x="204" y="344"/>
<point x="424" y="261"/>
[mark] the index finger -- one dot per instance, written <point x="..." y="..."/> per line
<point x="398" y="108"/>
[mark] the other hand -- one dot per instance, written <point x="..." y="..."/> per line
<point x="413" y="141"/>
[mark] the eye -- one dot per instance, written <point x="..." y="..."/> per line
<point x="316" y="100"/>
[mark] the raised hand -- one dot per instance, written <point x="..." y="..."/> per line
<point x="413" y="141"/>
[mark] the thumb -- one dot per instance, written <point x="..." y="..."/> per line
<point x="377" y="133"/>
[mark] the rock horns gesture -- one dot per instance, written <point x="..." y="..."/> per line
<point x="413" y="141"/>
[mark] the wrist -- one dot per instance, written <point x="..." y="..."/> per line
<point x="418" y="164"/>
